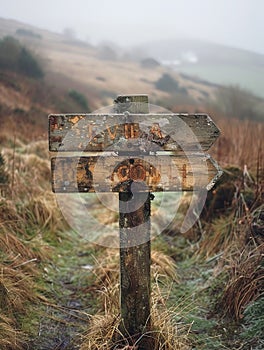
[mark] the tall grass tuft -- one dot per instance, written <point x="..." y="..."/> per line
<point x="10" y="337"/>
<point x="104" y="331"/>
<point x="235" y="237"/>
<point x="241" y="143"/>
<point x="246" y="282"/>
<point x="28" y="212"/>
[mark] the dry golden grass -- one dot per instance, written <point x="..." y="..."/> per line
<point x="107" y="267"/>
<point x="103" y="331"/>
<point x="238" y="238"/>
<point x="13" y="246"/>
<point x="220" y="236"/>
<point x="246" y="282"/>
<point x="16" y="289"/>
<point x="22" y="251"/>
<point x="30" y="208"/>
<point x="17" y="268"/>
<point x="8" y="214"/>
<point x="241" y="143"/>
<point x="42" y="211"/>
<point x="163" y="266"/>
<point x="10" y="337"/>
<point x="29" y="173"/>
<point x="27" y="212"/>
<point x="234" y="228"/>
<point x="107" y="274"/>
<point x="168" y="334"/>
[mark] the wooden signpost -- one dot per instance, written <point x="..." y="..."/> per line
<point x="133" y="152"/>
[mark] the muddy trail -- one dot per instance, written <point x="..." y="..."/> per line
<point x="65" y="304"/>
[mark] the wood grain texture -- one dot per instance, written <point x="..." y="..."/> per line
<point x="131" y="132"/>
<point x="135" y="268"/>
<point x="122" y="174"/>
<point x="134" y="226"/>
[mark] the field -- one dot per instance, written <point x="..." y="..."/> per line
<point x="250" y="79"/>
<point x="58" y="290"/>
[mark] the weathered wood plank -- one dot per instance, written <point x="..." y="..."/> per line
<point x="130" y="132"/>
<point x="143" y="174"/>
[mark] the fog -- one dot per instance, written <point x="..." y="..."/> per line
<point x="236" y="23"/>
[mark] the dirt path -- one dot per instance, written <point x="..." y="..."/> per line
<point x="64" y="308"/>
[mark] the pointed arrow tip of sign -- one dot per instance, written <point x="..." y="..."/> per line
<point x="217" y="176"/>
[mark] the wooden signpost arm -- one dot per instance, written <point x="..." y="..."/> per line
<point x="134" y="223"/>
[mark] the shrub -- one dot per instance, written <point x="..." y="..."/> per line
<point x="149" y="63"/>
<point x="15" y="57"/>
<point x="169" y="84"/>
<point x="28" y="65"/>
<point x="236" y="102"/>
<point x="79" y="98"/>
<point x="9" y="53"/>
<point x="28" y="32"/>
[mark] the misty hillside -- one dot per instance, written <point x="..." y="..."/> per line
<point x="213" y="62"/>
<point x="97" y="74"/>
<point x="102" y="72"/>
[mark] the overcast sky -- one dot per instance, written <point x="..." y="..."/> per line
<point x="238" y="23"/>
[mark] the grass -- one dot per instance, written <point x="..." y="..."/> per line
<point x="245" y="284"/>
<point x="27" y="214"/>
<point x="206" y="283"/>
<point x="253" y="328"/>
<point x="104" y="330"/>
<point x="186" y="293"/>
<point x="104" y="333"/>
<point x="240" y="144"/>
<point x="65" y="302"/>
<point x="166" y="333"/>
<point x="11" y="337"/>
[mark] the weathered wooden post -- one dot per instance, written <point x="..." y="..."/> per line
<point x="141" y="153"/>
<point x="135" y="257"/>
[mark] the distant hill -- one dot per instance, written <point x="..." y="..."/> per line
<point x="216" y="63"/>
<point x="75" y="71"/>
<point x="101" y="73"/>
